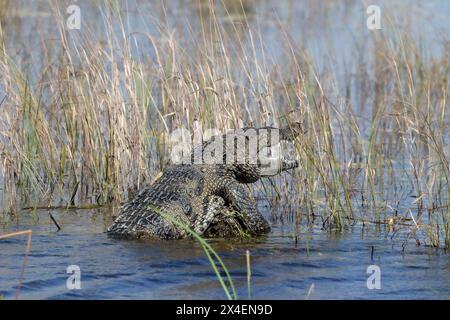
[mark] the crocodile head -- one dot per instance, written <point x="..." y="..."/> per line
<point x="267" y="152"/>
<point x="250" y="152"/>
<point x="281" y="155"/>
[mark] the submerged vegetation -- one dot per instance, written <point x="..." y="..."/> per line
<point x="86" y="114"/>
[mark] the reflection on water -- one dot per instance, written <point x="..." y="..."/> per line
<point x="111" y="269"/>
<point x="329" y="30"/>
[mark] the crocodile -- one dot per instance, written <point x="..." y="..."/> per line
<point x="199" y="197"/>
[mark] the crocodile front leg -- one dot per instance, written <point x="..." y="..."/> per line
<point x="240" y="197"/>
<point x="212" y="208"/>
<point x="228" y="224"/>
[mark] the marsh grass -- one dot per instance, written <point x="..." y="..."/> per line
<point x="213" y="258"/>
<point x="249" y="275"/>
<point x="87" y="119"/>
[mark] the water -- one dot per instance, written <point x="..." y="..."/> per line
<point x="327" y="265"/>
<point x="333" y="32"/>
<point x="335" y="264"/>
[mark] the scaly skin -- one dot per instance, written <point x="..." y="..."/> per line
<point x="198" y="196"/>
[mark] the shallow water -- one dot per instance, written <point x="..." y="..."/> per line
<point x="334" y="264"/>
